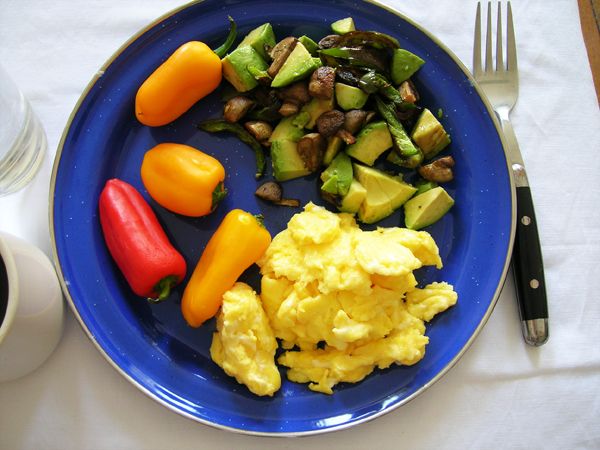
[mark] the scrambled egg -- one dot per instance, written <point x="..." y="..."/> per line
<point x="342" y="302"/>
<point x="244" y="345"/>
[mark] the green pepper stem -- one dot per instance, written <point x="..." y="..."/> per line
<point x="260" y="219"/>
<point x="163" y="287"/>
<point x="222" y="50"/>
<point x="218" y="194"/>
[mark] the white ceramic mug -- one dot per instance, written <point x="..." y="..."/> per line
<point x="33" y="306"/>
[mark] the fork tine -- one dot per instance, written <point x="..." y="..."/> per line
<point x="499" y="42"/>
<point x="511" y="51"/>
<point x="477" y="68"/>
<point x="489" y="65"/>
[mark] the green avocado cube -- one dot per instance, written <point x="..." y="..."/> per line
<point x="287" y="130"/>
<point x="385" y="193"/>
<point x="311" y="46"/>
<point x="299" y="64"/>
<point x="287" y="163"/>
<point x="350" y="97"/>
<point x="314" y="108"/>
<point x="340" y="169"/>
<point x="371" y="141"/>
<point x="427" y="208"/>
<point x="342" y="26"/>
<point x="331" y="185"/>
<point x="429" y="134"/>
<point x="235" y="67"/>
<point x="404" y="65"/>
<point x="354" y="198"/>
<point x="257" y="39"/>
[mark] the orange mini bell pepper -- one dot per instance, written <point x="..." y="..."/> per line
<point x="182" y="179"/>
<point x="191" y="72"/>
<point x="237" y="244"/>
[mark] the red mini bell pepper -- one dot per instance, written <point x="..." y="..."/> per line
<point x="137" y="242"/>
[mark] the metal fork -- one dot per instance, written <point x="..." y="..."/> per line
<point x="501" y="87"/>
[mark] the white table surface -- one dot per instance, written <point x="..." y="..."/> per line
<point x="501" y="394"/>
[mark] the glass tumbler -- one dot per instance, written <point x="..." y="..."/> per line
<point x="22" y="137"/>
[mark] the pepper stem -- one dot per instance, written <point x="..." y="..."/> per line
<point x="222" y="50"/>
<point x="260" y="219"/>
<point x="163" y="287"/>
<point x="218" y="194"/>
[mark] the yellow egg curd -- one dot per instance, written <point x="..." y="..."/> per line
<point x="341" y="300"/>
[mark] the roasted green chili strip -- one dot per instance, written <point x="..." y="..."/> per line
<point x="357" y="57"/>
<point x="408" y="154"/>
<point x="217" y="125"/>
<point x="373" y="82"/>
<point x="370" y="38"/>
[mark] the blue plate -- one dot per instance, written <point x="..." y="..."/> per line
<point x="151" y="345"/>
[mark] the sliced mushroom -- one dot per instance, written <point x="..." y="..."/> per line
<point x="289" y="108"/>
<point x="268" y="49"/>
<point x="439" y="171"/>
<point x="293" y="98"/>
<point x="297" y="92"/>
<point x="370" y="115"/>
<point x="408" y="92"/>
<point x="261" y="130"/>
<point x="311" y="148"/>
<point x="273" y="192"/>
<point x="328" y="40"/>
<point x="345" y="136"/>
<point x="354" y="120"/>
<point x="330" y="122"/>
<point x="236" y="108"/>
<point x="288" y="202"/>
<point x="321" y="83"/>
<point x="280" y="53"/>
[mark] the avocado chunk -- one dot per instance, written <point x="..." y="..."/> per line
<point x="385" y="193"/>
<point x="311" y="46"/>
<point x="235" y="67"/>
<point x="299" y="64"/>
<point x="376" y="205"/>
<point x="339" y="170"/>
<point x="334" y="145"/>
<point x="350" y="97"/>
<point x="371" y="141"/>
<point x="427" y="208"/>
<point x="354" y="198"/>
<point x="404" y="65"/>
<point x="343" y="26"/>
<point x="429" y="134"/>
<point x="330" y="185"/>
<point x="286" y="130"/>
<point x="259" y="75"/>
<point x="313" y="109"/>
<point x="424" y="185"/>
<point x="286" y="161"/>
<point x="257" y="39"/>
<point x="398" y="191"/>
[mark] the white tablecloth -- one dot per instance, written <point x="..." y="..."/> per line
<point x="501" y="394"/>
